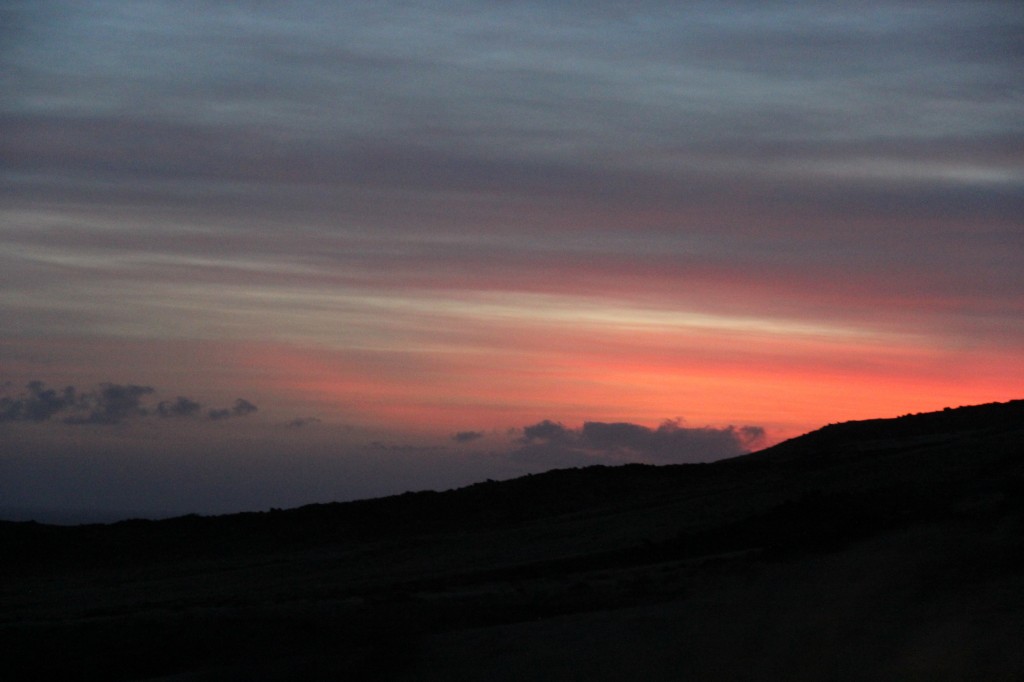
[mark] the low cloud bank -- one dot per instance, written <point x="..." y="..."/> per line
<point x="107" y="403"/>
<point x="617" y="442"/>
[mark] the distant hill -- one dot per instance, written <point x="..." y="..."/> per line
<point x="379" y="582"/>
<point x="908" y="430"/>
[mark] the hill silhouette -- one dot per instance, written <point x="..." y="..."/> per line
<point x="879" y="549"/>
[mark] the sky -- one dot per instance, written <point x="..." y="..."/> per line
<point x="259" y="254"/>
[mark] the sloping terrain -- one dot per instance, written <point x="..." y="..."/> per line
<point x="881" y="549"/>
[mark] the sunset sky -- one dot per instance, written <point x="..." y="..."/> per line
<point x="261" y="254"/>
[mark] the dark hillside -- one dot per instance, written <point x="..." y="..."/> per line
<point x="905" y="431"/>
<point x="896" y="522"/>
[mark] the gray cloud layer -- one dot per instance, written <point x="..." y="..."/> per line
<point x="485" y="97"/>
<point x="873" y="141"/>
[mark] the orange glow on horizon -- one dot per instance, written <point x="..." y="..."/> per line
<point x="789" y="383"/>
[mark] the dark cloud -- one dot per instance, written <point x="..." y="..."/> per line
<point x="467" y="436"/>
<point x="605" y="436"/>
<point x="179" y="407"/>
<point x="37" y="403"/>
<point x="615" y="442"/>
<point x="107" y="403"/>
<point x="111" y="404"/>
<point x="241" y="408"/>
<point x="546" y="430"/>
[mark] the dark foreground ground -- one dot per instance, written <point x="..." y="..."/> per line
<point x="881" y="550"/>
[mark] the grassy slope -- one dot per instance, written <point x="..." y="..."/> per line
<point x="890" y="547"/>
